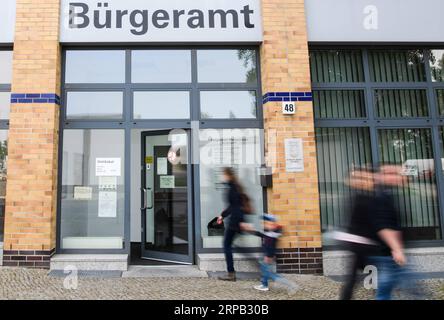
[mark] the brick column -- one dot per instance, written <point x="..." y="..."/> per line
<point x="286" y="76"/>
<point x="31" y="193"/>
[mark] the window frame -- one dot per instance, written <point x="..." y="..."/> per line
<point x="128" y="124"/>
<point x="433" y="122"/>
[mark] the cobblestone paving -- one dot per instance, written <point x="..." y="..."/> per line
<point x="19" y="283"/>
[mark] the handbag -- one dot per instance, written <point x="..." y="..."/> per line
<point x="215" y="229"/>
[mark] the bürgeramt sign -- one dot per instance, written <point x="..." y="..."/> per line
<point x="161" y="21"/>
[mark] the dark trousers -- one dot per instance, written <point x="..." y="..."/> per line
<point x="230" y="234"/>
<point x="358" y="263"/>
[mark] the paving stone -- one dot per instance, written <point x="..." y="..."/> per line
<point x="19" y="283"/>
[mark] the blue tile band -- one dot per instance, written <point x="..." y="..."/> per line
<point x="35" y="98"/>
<point x="286" y="96"/>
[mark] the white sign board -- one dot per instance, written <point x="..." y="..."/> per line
<point x="107" y="204"/>
<point x="294" y="155"/>
<point x="161" y="21"/>
<point x="167" y="182"/>
<point x="375" y="21"/>
<point x="83" y="193"/>
<point x="7" y="21"/>
<point x="107" y="167"/>
<point x="162" y="166"/>
<point x="288" y="108"/>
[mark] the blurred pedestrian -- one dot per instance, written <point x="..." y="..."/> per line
<point x="238" y="203"/>
<point x="359" y="238"/>
<point x="270" y="236"/>
<point x="391" y="260"/>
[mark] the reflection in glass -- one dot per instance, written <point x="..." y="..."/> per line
<point x="227" y="66"/>
<point x="3" y="178"/>
<point x="228" y="104"/>
<point x="94" y="105"/>
<point x="437" y="65"/>
<point x="95" y="66"/>
<point x="339" y="104"/>
<point x="5" y="67"/>
<point x="416" y="199"/>
<point x="336" y="66"/>
<point x="339" y="152"/>
<point x="161" y="105"/>
<point x="161" y="66"/>
<point x="93" y="193"/>
<point x="397" y="65"/>
<point x="5" y="105"/>
<point x="391" y="103"/>
<point x="237" y="148"/>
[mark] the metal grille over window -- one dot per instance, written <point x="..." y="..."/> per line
<point x="339" y="104"/>
<point x="339" y="150"/>
<point x="336" y="66"/>
<point x="373" y="107"/>
<point x="397" y="66"/>
<point x="416" y="199"/>
<point x="401" y="103"/>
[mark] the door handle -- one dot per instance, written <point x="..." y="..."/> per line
<point x="145" y="204"/>
<point x="152" y="199"/>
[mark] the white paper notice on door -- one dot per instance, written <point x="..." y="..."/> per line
<point x="162" y="166"/>
<point x="294" y="155"/>
<point x="107" y="204"/>
<point x="167" y="182"/>
<point x="108" y="167"/>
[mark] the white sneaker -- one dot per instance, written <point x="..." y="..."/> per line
<point x="261" y="287"/>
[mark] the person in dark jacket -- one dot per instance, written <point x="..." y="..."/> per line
<point x="235" y="214"/>
<point x="359" y="238"/>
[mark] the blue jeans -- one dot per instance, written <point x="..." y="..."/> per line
<point x="391" y="276"/>
<point x="267" y="273"/>
<point x="228" y="249"/>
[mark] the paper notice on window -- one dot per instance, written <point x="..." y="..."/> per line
<point x="167" y="182"/>
<point x="107" y="204"/>
<point x="83" y="193"/>
<point x="108" y="167"/>
<point x="294" y="155"/>
<point x="162" y="166"/>
<point x="108" y="183"/>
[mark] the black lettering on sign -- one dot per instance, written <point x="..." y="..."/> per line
<point x="139" y="20"/>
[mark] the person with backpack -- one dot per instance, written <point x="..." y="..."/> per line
<point x="270" y="236"/>
<point x="238" y="205"/>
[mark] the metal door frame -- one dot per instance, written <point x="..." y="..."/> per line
<point x="158" y="255"/>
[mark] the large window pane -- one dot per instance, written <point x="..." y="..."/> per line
<point x="397" y="66"/>
<point x="5" y="67"/>
<point x="95" y="66"/>
<point x="339" y="104"/>
<point x="227" y="66"/>
<point x="237" y="148"/>
<point x="339" y="152"/>
<point x="161" y="105"/>
<point x="94" y="105"/>
<point x="3" y="176"/>
<point x="401" y="103"/>
<point x="228" y="104"/>
<point x="336" y="66"/>
<point x="161" y="66"/>
<point x="440" y="101"/>
<point x="437" y="65"/>
<point x="5" y="105"/>
<point x="93" y="193"/>
<point x="416" y="199"/>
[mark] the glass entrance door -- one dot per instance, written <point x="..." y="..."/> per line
<point x="166" y="197"/>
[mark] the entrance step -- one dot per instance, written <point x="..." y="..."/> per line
<point x="164" y="272"/>
<point x="87" y="262"/>
<point x="243" y="262"/>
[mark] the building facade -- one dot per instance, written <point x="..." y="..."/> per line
<point x="118" y="117"/>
